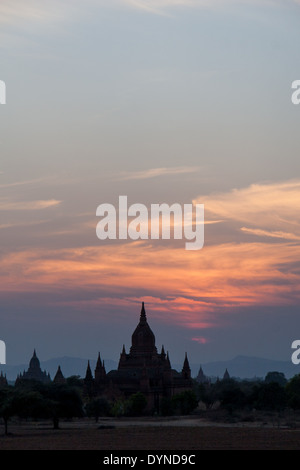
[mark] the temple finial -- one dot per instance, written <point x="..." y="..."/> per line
<point x="143" y="313"/>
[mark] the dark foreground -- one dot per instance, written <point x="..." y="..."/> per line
<point x="150" y="438"/>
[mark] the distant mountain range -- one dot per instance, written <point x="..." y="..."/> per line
<point x="248" y="367"/>
<point x="239" y="367"/>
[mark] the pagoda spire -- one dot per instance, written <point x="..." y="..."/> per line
<point x="143" y="317"/>
<point x="100" y="371"/>
<point x="59" y="378"/>
<point x="88" y="375"/>
<point x="99" y="363"/>
<point x="186" y="370"/>
<point x="186" y="364"/>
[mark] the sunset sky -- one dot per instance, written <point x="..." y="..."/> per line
<point x="165" y="101"/>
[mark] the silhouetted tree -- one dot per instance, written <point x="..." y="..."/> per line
<point x="118" y="408"/>
<point x="184" y="402"/>
<point x="232" y="398"/>
<point x="64" y="402"/>
<point x="208" y="393"/>
<point x="30" y="404"/>
<point x="24" y="403"/>
<point x="293" y="392"/>
<point x="34" y="399"/>
<point x="269" y="396"/>
<point x="97" y="407"/>
<point x="277" y="377"/>
<point x="136" y="404"/>
<point x="6" y="406"/>
<point x="75" y="381"/>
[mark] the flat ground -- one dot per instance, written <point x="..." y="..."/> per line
<point x="182" y="434"/>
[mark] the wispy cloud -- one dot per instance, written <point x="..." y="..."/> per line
<point x="265" y="209"/>
<point x="46" y="12"/>
<point x="272" y="234"/>
<point x="32" y="10"/>
<point x="200" y="339"/>
<point x="27" y="205"/>
<point x="155" y="172"/>
<point x="22" y="183"/>
<point x="162" y="6"/>
<point x="35" y="11"/>
<point x="15" y="225"/>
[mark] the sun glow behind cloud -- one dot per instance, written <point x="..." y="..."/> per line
<point x="191" y="289"/>
<point x="220" y="277"/>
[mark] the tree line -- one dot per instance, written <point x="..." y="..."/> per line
<point x="274" y="393"/>
<point x="35" y="400"/>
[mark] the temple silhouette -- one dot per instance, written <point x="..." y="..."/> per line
<point x="34" y="371"/>
<point x="143" y="369"/>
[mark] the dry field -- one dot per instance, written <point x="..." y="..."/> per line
<point x="184" y="434"/>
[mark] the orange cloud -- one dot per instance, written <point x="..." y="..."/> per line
<point x="189" y="289"/>
<point x="200" y="339"/>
